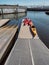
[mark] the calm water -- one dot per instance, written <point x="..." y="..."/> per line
<point x="41" y="22"/>
<point x="12" y="16"/>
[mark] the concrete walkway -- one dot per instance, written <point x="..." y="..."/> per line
<point x="28" y="50"/>
<point x="25" y="32"/>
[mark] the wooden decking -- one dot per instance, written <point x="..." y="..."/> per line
<point x="6" y="35"/>
<point x="3" y="21"/>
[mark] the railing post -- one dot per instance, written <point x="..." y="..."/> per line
<point x="17" y="12"/>
<point x="2" y="13"/>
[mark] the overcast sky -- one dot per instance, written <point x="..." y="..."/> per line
<point x="25" y="2"/>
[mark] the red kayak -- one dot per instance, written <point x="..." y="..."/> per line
<point x="27" y="21"/>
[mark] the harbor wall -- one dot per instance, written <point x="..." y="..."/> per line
<point x="8" y="12"/>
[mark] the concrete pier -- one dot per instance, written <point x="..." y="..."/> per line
<point x="28" y="51"/>
<point x="25" y="32"/>
<point x="3" y="21"/>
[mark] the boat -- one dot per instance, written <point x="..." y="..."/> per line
<point x="33" y="30"/>
<point x="47" y="12"/>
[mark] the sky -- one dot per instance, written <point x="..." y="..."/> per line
<point x="25" y="2"/>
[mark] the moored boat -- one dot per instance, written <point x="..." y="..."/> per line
<point x="47" y="12"/>
<point x="33" y="30"/>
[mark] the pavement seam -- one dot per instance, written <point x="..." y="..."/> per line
<point x="31" y="53"/>
<point x="19" y="61"/>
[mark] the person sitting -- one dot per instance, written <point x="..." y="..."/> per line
<point x="30" y="23"/>
<point x="25" y="21"/>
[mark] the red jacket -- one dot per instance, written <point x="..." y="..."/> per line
<point x="26" y="21"/>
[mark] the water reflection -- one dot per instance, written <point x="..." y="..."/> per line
<point x="12" y="16"/>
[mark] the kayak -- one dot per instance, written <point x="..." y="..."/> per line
<point x="33" y="30"/>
